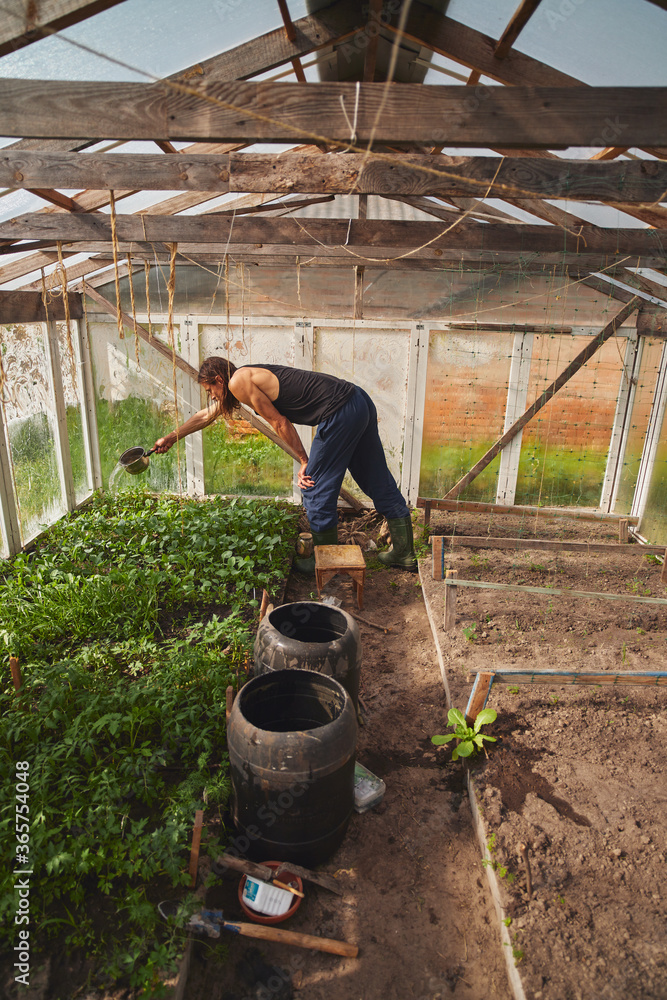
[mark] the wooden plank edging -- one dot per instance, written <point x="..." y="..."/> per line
<point x="555" y="591"/>
<point x="491" y="542"/>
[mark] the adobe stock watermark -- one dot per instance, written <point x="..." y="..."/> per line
<point x="22" y="873"/>
<point x="556" y="16"/>
<point x="266" y="815"/>
<point x="611" y="133"/>
<point x="276" y="981"/>
<point x="374" y="24"/>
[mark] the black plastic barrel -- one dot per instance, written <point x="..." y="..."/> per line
<point x="307" y="635"/>
<point x="291" y="737"/>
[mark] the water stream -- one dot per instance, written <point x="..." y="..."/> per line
<point x="112" y="478"/>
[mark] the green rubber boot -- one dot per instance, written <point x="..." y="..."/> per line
<point x="307" y="566"/>
<point x="401" y="553"/>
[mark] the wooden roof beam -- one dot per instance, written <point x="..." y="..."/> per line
<point x="515" y="117"/>
<point x="305" y="172"/>
<point x="518" y="21"/>
<point x="286" y="261"/>
<point x="371" y="234"/>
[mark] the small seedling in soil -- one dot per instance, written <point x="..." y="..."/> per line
<point x="470" y="739"/>
<point x="513" y="690"/>
<point x="470" y="632"/>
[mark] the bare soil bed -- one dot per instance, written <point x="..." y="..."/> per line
<point x="578" y="774"/>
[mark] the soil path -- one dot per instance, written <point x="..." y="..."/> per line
<point x="415" y="896"/>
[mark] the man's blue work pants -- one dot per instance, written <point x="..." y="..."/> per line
<point x="349" y="439"/>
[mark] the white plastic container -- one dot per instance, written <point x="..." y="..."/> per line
<point x="368" y="788"/>
<point x="266" y="898"/>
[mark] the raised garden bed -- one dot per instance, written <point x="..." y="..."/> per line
<point x="578" y="774"/>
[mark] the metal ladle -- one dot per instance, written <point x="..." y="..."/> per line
<point x="135" y="460"/>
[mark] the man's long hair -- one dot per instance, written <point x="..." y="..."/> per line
<point x="212" y="368"/>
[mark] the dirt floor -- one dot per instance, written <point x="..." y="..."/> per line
<point x="415" y="894"/>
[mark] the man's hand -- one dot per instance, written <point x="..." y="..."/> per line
<point x="165" y="443"/>
<point x="304" y="482"/>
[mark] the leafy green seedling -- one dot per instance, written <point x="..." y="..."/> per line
<point x="513" y="690"/>
<point x="470" y="739"/>
<point x="470" y="632"/>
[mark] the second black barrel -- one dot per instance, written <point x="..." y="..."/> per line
<point x="307" y="635"/>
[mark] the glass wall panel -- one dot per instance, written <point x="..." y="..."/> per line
<point x="564" y="447"/>
<point x="466" y="395"/>
<point x="136" y="404"/>
<point x="31" y="422"/>
<point x="377" y="360"/>
<point x="654" y="521"/>
<point x="238" y="459"/>
<point x="4" y="551"/>
<point x="639" y="417"/>
<point x="69" y="365"/>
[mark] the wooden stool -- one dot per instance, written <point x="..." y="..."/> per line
<point x="332" y="559"/>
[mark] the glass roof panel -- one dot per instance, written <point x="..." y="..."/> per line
<point x="154" y="37"/>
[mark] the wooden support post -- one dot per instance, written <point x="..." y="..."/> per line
<point x="427" y="513"/>
<point x="16" y="673"/>
<point x="663" y="575"/>
<point x="229" y="694"/>
<point x="437" y="557"/>
<point x="478" y="696"/>
<point x="358" y="292"/>
<point x="196" y="841"/>
<point x="450" y="601"/>
<point x="264" y="605"/>
<point x="623" y="530"/>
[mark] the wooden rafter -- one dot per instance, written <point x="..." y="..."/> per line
<point x="337" y="173"/>
<point x="510" y="264"/>
<point x="56" y="198"/>
<point x="290" y="32"/>
<point x="373" y="35"/>
<point x="474" y="49"/>
<point x="518" y="21"/>
<point x="368" y="234"/>
<point x="287" y="112"/>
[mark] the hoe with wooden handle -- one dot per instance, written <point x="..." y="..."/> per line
<point x="291" y="937"/>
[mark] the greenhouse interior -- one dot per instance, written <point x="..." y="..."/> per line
<point x="459" y="206"/>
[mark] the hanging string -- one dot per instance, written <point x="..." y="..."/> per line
<point x="114" y="245"/>
<point x="62" y="274"/>
<point x="171" y="340"/>
<point x="228" y="335"/>
<point x="134" y="311"/>
<point x="242" y="272"/>
<point x="147" y="274"/>
<point x="298" y="284"/>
